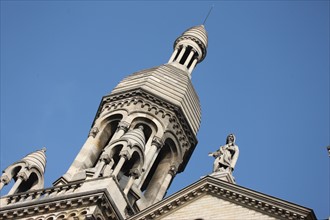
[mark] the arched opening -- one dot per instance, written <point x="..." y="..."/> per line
<point x="159" y="170"/>
<point x="124" y="174"/>
<point x="29" y="183"/>
<point x="114" y="153"/>
<point x="109" y="129"/>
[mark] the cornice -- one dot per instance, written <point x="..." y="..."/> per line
<point x="248" y="198"/>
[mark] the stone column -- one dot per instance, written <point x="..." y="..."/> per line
<point x="21" y="176"/>
<point x="4" y="180"/>
<point x="173" y="55"/>
<point x="134" y="174"/>
<point x="150" y="157"/>
<point x="124" y="156"/>
<point x="105" y="159"/>
<point x="166" y="182"/>
<point x="192" y="52"/>
<point x="121" y="130"/>
<point x="193" y="65"/>
<point x="87" y="155"/>
<point x="108" y="168"/>
<point x="183" y="50"/>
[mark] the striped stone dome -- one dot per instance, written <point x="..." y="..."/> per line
<point x="135" y="136"/>
<point x="36" y="159"/>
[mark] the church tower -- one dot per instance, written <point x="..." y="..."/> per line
<point x="143" y="134"/>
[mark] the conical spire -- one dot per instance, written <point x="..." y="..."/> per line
<point x="36" y="159"/>
<point x="28" y="173"/>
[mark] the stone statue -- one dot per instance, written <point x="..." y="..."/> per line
<point x="226" y="156"/>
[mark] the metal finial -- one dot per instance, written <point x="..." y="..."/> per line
<point x="208" y="14"/>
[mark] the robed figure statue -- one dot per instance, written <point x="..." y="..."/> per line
<point x="226" y="156"/>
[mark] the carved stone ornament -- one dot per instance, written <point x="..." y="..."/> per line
<point x="123" y="126"/>
<point x="125" y="154"/>
<point x="22" y="175"/>
<point x="173" y="170"/>
<point x="105" y="157"/>
<point x="5" y="179"/>
<point x="93" y="132"/>
<point x="135" y="173"/>
<point x="157" y="142"/>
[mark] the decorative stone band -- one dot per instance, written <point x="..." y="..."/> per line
<point x="268" y="205"/>
<point x="181" y="126"/>
<point x="162" y="107"/>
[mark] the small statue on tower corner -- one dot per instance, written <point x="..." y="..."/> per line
<point x="226" y="156"/>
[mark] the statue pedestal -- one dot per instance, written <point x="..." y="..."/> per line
<point x="224" y="175"/>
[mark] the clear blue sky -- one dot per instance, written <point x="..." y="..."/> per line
<point x="265" y="78"/>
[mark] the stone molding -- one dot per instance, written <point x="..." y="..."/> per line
<point x="230" y="192"/>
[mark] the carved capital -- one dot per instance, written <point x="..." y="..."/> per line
<point x="123" y="126"/>
<point x="135" y="173"/>
<point x="105" y="157"/>
<point x="173" y="170"/>
<point x="158" y="142"/>
<point x="93" y="132"/>
<point x="5" y="179"/>
<point x="125" y="154"/>
<point x="22" y="175"/>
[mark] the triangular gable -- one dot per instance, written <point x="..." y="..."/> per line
<point x="210" y="196"/>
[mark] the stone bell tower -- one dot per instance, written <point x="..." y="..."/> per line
<point x="143" y="134"/>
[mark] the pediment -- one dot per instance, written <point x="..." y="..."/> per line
<point x="211" y="198"/>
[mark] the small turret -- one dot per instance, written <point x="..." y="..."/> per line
<point x="189" y="48"/>
<point x="28" y="173"/>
